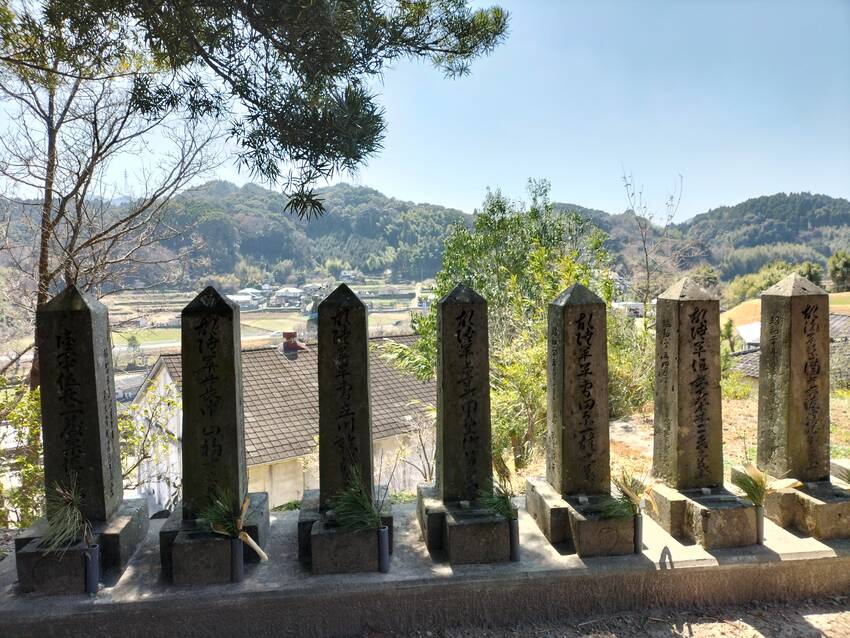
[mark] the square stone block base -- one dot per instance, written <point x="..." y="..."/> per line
<point x="820" y="510"/>
<point x="467" y="535"/>
<point x="579" y="524"/>
<point x="256" y="525"/>
<point x="714" y="518"/>
<point x="200" y="558"/>
<point x="309" y="515"/>
<point x="337" y="551"/>
<point x="119" y="537"/>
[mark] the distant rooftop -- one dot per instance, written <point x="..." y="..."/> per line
<point x="281" y="398"/>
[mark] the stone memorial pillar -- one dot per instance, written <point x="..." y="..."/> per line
<point x="688" y="430"/>
<point x="81" y="444"/>
<point x="213" y="439"/>
<point x="793" y="416"/>
<point x="345" y="440"/>
<point x="793" y="420"/>
<point x="449" y="513"/>
<point x="578" y="474"/>
<point x="345" y="418"/>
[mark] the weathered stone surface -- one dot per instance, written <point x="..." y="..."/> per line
<point x="256" y="525"/>
<point x="52" y="573"/>
<point x="337" y="551"/>
<point x="720" y="520"/>
<point x="310" y="513"/>
<point x="578" y="460"/>
<point x="431" y="513"/>
<point x="793" y="422"/>
<point x="119" y="537"/>
<point x="464" y="454"/>
<point x="714" y="520"/>
<point x="345" y="419"/>
<point x="201" y="558"/>
<point x="79" y="422"/>
<point x="213" y="449"/>
<point x="823" y="511"/>
<point x="548" y="509"/>
<point x="820" y="510"/>
<point x="672" y="510"/>
<point x="688" y="446"/>
<point x="122" y="534"/>
<point x="476" y="536"/>
<point x="840" y="468"/>
<point x="593" y="535"/>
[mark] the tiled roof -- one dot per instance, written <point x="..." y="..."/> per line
<point x="839" y="327"/>
<point x="281" y="397"/>
<point x="839" y="362"/>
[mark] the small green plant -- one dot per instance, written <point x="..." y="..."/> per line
<point x="226" y="516"/>
<point x="757" y="485"/>
<point x="499" y="498"/>
<point x="630" y="492"/>
<point x="290" y="506"/>
<point x="66" y="524"/>
<point x="354" y="507"/>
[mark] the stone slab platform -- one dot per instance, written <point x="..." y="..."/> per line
<point x="281" y="597"/>
<point x="256" y="524"/>
<point x="575" y="524"/>
<point x="119" y="537"/>
<point x="715" y="520"/>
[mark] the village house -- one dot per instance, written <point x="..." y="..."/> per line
<point x="287" y="296"/>
<point x="280" y="394"/>
<point x="747" y="361"/>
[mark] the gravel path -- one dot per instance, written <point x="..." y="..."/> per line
<point x="821" y="618"/>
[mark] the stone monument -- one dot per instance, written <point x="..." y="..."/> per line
<point x="567" y="503"/>
<point x="450" y="516"/>
<point x="345" y="441"/>
<point x="213" y="442"/>
<point x="688" y="448"/>
<point x="793" y="416"/>
<point x="81" y="447"/>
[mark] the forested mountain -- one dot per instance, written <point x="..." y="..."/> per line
<point x="361" y="229"/>
<point x="246" y="227"/>
<point x="243" y="235"/>
<point x="739" y="239"/>
<point x="793" y="227"/>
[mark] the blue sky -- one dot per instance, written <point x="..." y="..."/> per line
<point x="742" y="98"/>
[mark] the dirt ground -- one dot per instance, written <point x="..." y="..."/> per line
<point x="631" y="439"/>
<point x="829" y="618"/>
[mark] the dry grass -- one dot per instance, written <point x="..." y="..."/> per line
<point x="631" y="439"/>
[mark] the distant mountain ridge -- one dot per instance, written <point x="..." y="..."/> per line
<point x="740" y="238"/>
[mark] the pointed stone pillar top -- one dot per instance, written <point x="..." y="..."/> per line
<point x="686" y="289"/>
<point x="793" y="286"/>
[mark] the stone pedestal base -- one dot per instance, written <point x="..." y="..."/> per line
<point x="576" y="523"/>
<point x="714" y="518"/>
<point x="840" y="468"/>
<point x="119" y="537"/>
<point x="820" y="510"/>
<point x="201" y="558"/>
<point x="466" y="535"/>
<point x="330" y="550"/>
<point x="256" y="525"/>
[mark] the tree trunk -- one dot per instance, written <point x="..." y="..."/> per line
<point x="46" y="229"/>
